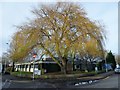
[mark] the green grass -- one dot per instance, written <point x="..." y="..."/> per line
<point x="73" y="74"/>
<point x="21" y="73"/>
<point x="24" y="74"/>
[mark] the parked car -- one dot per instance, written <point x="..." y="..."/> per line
<point x="117" y="70"/>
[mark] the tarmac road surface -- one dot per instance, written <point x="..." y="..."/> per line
<point x="0" y="84"/>
<point x="108" y="82"/>
<point x="15" y="82"/>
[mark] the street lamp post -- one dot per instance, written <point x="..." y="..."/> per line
<point x="106" y="66"/>
<point x="5" y="66"/>
<point x="104" y="54"/>
<point x="5" y="63"/>
<point x="34" y="56"/>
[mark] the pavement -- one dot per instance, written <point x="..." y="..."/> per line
<point x="17" y="82"/>
<point x="99" y="76"/>
<point x="61" y="83"/>
<point x="82" y="78"/>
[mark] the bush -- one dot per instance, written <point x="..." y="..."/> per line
<point x="57" y="75"/>
<point x="8" y="70"/>
<point x="22" y="74"/>
<point x="102" y="71"/>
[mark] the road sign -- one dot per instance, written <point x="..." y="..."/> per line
<point x="34" y="56"/>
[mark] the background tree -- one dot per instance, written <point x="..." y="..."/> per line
<point x="19" y="47"/>
<point x="5" y="59"/>
<point x="93" y="51"/>
<point x="110" y="59"/>
<point x="59" y="30"/>
<point x="117" y="59"/>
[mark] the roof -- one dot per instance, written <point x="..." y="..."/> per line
<point x="43" y="60"/>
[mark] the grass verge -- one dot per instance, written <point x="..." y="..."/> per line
<point x="57" y="75"/>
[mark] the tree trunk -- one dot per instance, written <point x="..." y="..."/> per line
<point x="73" y="66"/>
<point x="13" y="67"/>
<point x="86" y="67"/>
<point x="80" y="64"/>
<point x="73" y="63"/>
<point x="64" y="66"/>
<point x="91" y="64"/>
<point x="63" y="70"/>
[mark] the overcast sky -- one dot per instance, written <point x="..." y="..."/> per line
<point x="16" y="13"/>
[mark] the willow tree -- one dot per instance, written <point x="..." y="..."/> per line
<point x="19" y="48"/>
<point x="90" y="52"/>
<point x="60" y="30"/>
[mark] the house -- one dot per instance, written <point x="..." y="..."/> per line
<point x="46" y="65"/>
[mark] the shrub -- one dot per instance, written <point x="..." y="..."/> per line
<point x="24" y="74"/>
<point x="8" y="70"/>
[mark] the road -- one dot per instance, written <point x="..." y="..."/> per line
<point x="109" y="82"/>
<point x="0" y="81"/>
<point x="14" y="82"/>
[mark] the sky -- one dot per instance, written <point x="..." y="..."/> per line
<point x="16" y="13"/>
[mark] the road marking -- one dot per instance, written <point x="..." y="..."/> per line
<point x="54" y="86"/>
<point x="7" y="83"/>
<point x="4" y="82"/>
<point x="106" y="78"/>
